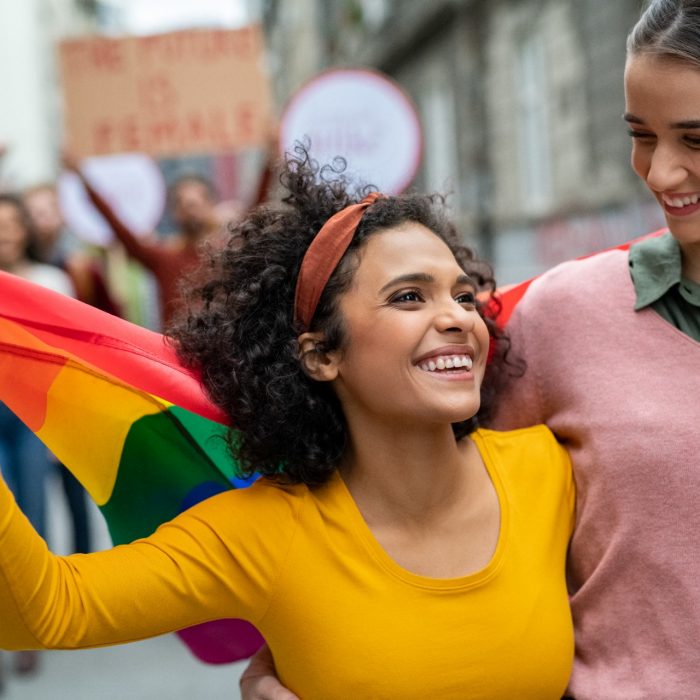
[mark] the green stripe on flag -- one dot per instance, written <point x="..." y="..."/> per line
<point x="164" y="458"/>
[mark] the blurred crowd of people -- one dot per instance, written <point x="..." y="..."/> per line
<point x="36" y="244"/>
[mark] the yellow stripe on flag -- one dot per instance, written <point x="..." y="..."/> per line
<point x="87" y="420"/>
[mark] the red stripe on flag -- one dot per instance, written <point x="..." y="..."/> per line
<point x="21" y="367"/>
<point x="135" y="355"/>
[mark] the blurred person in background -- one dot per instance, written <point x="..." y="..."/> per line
<point x="24" y="460"/>
<point x="3" y="153"/>
<point x="57" y="245"/>
<point x="194" y="206"/>
<point x="192" y="201"/>
<point x="54" y="244"/>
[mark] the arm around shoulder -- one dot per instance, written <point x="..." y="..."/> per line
<point x="259" y="681"/>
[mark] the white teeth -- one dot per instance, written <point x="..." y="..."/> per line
<point x="679" y="202"/>
<point x="451" y="362"/>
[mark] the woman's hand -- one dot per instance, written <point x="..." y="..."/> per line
<point x="259" y="680"/>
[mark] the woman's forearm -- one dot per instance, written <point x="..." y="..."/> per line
<point x="156" y="585"/>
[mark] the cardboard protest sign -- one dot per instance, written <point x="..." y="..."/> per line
<point x="193" y="91"/>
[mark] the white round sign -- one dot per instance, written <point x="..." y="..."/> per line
<point x="132" y="184"/>
<point x="362" y="116"/>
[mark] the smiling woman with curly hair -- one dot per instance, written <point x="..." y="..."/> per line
<point x="243" y="334"/>
<point x="424" y="555"/>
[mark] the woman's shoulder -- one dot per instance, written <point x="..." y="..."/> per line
<point x="265" y="499"/>
<point x="537" y="432"/>
<point x="529" y="441"/>
<point x="608" y="270"/>
<point x="530" y="457"/>
<point x="559" y="304"/>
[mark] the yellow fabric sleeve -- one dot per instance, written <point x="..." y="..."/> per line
<point x="201" y="566"/>
<point x="305" y="567"/>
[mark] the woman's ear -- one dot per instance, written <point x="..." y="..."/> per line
<point x="316" y="363"/>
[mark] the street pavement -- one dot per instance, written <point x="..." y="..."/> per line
<point x="156" y="669"/>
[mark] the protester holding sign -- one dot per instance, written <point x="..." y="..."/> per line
<point x="343" y="338"/>
<point x="612" y="347"/>
<point x="193" y="205"/>
<point x="192" y="202"/>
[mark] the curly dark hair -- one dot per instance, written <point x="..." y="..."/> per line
<point x="238" y="329"/>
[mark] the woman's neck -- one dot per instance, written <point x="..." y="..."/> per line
<point x="406" y="471"/>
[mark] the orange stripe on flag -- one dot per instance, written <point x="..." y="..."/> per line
<point x="28" y="368"/>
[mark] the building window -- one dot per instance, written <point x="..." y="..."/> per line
<point x="439" y="127"/>
<point x="534" y="148"/>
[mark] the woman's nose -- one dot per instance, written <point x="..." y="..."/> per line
<point x="454" y="317"/>
<point x="667" y="171"/>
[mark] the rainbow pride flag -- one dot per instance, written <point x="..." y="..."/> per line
<point x="112" y="402"/>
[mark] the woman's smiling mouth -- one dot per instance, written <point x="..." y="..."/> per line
<point x="446" y="362"/>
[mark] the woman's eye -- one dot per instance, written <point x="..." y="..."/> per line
<point x="466" y="298"/>
<point x="406" y="297"/>
<point x="640" y="135"/>
<point x="692" y="141"/>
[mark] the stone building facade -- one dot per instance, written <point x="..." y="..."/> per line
<point x="521" y="104"/>
<point x="30" y="121"/>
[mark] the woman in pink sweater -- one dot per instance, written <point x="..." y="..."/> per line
<point x="612" y="345"/>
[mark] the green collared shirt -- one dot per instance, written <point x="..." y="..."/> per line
<point x="655" y="266"/>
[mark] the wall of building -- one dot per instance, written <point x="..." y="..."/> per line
<point x="563" y="187"/>
<point x="30" y="119"/>
<point x="521" y="102"/>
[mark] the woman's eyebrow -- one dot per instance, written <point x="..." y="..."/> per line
<point x="409" y="277"/>
<point x="466" y="279"/>
<point x="686" y="124"/>
<point x="423" y="277"/>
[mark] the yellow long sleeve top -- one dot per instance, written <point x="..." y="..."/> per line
<point x="343" y="619"/>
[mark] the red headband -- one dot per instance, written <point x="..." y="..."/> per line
<point x="323" y="256"/>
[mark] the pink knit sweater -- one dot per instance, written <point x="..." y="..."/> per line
<point x="621" y="389"/>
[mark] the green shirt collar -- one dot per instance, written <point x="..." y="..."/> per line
<point x="655" y="266"/>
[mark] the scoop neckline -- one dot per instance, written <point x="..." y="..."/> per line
<point x="381" y="556"/>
